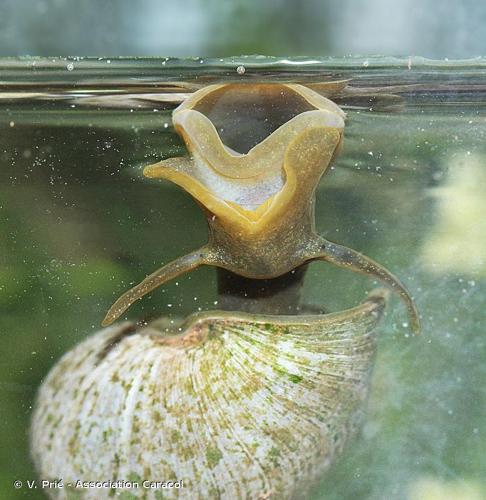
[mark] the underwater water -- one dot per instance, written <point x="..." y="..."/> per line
<point x="79" y="224"/>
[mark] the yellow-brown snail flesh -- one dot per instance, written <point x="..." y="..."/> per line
<point x="260" y="202"/>
<point x="252" y="402"/>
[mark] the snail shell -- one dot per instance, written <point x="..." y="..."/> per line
<point x="235" y="406"/>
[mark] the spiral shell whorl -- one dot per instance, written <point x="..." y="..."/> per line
<point x="236" y="407"/>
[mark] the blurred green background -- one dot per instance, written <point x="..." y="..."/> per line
<point x="79" y="225"/>
<point x="224" y="28"/>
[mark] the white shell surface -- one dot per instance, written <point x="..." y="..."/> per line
<point x="237" y="406"/>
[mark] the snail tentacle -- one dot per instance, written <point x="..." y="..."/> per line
<point x="166" y="273"/>
<point x="342" y="256"/>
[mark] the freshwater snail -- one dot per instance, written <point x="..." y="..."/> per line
<point x="251" y="402"/>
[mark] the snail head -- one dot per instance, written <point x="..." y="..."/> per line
<point x="256" y="155"/>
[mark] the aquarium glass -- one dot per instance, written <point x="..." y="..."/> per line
<point x="79" y="224"/>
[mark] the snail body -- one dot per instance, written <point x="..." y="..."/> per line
<point x="259" y="202"/>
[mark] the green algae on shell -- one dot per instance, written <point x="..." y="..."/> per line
<point x="236" y="405"/>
